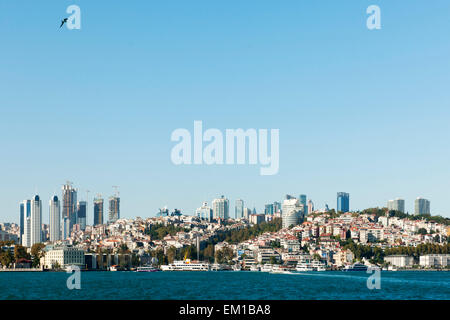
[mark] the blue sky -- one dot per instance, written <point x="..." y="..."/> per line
<point x="360" y="111"/>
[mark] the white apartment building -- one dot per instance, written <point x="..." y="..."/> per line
<point x="397" y="205"/>
<point x="204" y="212"/>
<point x="292" y="210"/>
<point x="265" y="255"/>
<point x="221" y="208"/>
<point x="435" y="260"/>
<point x="63" y="255"/>
<point x="343" y="257"/>
<point x="26" y="239"/>
<point x="401" y="261"/>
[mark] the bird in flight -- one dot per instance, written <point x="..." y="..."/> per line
<point x="62" y="22"/>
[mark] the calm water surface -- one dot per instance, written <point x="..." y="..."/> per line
<point x="225" y="285"/>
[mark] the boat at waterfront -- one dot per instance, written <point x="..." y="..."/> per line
<point x="113" y="268"/>
<point x="254" y="268"/>
<point x="391" y="268"/>
<point x="147" y="269"/>
<point x="267" y="268"/>
<point x="237" y="267"/>
<point x="304" y="267"/>
<point x="355" y="267"/>
<point x="318" y="265"/>
<point x="280" y="269"/>
<point x="186" y="265"/>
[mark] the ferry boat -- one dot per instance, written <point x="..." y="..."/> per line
<point x="280" y="269"/>
<point x="355" y="267"/>
<point x="186" y="265"/>
<point x="391" y="268"/>
<point x="218" y="267"/>
<point x="147" y="269"/>
<point x="267" y="268"/>
<point x="318" y="266"/>
<point x="304" y="267"/>
<point x="254" y="268"/>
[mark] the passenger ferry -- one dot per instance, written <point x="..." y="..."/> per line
<point x="280" y="269"/>
<point x="304" y="267"/>
<point x="186" y="265"/>
<point x="147" y="269"/>
<point x="218" y="267"/>
<point x="267" y="268"/>
<point x="254" y="268"/>
<point x="318" y="265"/>
<point x="391" y="268"/>
<point x="355" y="267"/>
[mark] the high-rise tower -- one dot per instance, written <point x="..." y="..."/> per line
<point x="69" y="199"/>
<point x="55" y="219"/>
<point x="36" y="220"/>
<point x="81" y="214"/>
<point x="239" y="209"/>
<point x="343" y="202"/>
<point x="114" y="209"/>
<point x="25" y="227"/>
<point x="98" y="210"/>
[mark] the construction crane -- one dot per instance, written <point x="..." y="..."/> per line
<point x="117" y="193"/>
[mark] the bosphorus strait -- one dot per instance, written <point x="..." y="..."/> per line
<point x="335" y="285"/>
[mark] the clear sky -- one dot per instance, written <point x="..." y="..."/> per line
<point x="361" y="111"/>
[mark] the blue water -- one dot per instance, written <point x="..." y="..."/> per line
<point x="225" y="285"/>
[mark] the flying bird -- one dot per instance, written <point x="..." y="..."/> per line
<point x="62" y="22"/>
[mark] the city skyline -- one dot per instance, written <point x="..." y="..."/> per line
<point x="90" y="213"/>
<point x="359" y="110"/>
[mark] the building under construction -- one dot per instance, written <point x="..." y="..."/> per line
<point x="114" y="209"/>
<point x="98" y="210"/>
<point x="69" y="198"/>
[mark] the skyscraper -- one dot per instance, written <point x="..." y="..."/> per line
<point x="221" y="208"/>
<point x="303" y="201"/>
<point x="26" y="234"/>
<point x="36" y="220"/>
<point x="343" y="202"/>
<point x="69" y="198"/>
<point x="98" y="210"/>
<point x="65" y="228"/>
<point x="276" y="207"/>
<point x="422" y="206"/>
<point x="239" y="209"/>
<point x="21" y="219"/>
<point x="114" y="209"/>
<point x="396" y="205"/>
<point x="81" y="214"/>
<point x="292" y="212"/>
<point x="310" y="207"/>
<point x="268" y="209"/>
<point x="55" y="220"/>
<point x="204" y="212"/>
